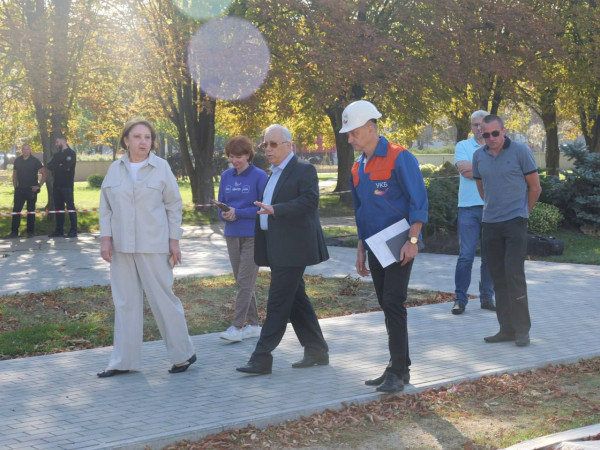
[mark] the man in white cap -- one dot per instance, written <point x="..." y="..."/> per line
<point x="387" y="186"/>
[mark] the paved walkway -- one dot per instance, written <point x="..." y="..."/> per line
<point x="56" y="401"/>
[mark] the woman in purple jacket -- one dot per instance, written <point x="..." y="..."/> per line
<point x="240" y="187"/>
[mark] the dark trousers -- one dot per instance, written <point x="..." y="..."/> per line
<point x="391" y="287"/>
<point x="506" y="249"/>
<point x="288" y="301"/>
<point x="63" y="197"/>
<point x="23" y="195"/>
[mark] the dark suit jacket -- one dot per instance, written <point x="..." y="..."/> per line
<point x="295" y="237"/>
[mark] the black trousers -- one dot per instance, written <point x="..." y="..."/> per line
<point x="23" y="195"/>
<point x="506" y="249"/>
<point x="391" y="287"/>
<point x="288" y="301"/>
<point x="63" y="196"/>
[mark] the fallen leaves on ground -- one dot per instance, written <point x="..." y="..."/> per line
<point x="323" y="428"/>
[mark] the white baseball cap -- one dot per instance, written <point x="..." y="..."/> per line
<point x="357" y="114"/>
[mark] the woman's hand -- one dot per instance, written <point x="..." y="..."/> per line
<point x="175" y="251"/>
<point x="106" y="248"/>
<point x="229" y="216"/>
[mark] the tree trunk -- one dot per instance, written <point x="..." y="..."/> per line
<point x="345" y="153"/>
<point x="194" y="118"/>
<point x="463" y="127"/>
<point x="594" y="145"/>
<point x="548" y="108"/>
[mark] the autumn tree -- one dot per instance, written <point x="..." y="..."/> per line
<point x="47" y="39"/>
<point x="336" y="52"/>
<point x="163" y="35"/>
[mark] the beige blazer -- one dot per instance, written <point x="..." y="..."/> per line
<point x="140" y="217"/>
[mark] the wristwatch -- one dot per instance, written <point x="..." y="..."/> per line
<point x="413" y="240"/>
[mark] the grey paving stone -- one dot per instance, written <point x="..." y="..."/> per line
<point x="59" y="399"/>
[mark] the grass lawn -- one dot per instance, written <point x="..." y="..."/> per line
<point x="78" y="318"/>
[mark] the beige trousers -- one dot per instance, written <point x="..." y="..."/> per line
<point x="132" y="275"/>
<point x="241" y="256"/>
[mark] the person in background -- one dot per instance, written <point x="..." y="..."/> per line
<point x="240" y="187"/>
<point x="387" y="186"/>
<point x="508" y="182"/>
<point x="470" y="211"/>
<point x="62" y="166"/>
<point x="29" y="175"/>
<point x="140" y="228"/>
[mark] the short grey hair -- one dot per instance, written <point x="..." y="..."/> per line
<point x="287" y="135"/>
<point x="479" y="114"/>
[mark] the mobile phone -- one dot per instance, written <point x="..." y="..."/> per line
<point x="172" y="261"/>
<point x="221" y="205"/>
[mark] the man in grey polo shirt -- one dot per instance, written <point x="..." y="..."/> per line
<point x="507" y="180"/>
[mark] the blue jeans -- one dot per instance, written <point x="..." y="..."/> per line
<point x="469" y="230"/>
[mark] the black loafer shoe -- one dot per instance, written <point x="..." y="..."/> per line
<point x="391" y="384"/>
<point x="488" y="305"/>
<point x="111" y="373"/>
<point x="178" y="368"/>
<point x="255" y="369"/>
<point x="377" y="381"/>
<point x="458" y="308"/>
<point x="522" y="340"/>
<point x="312" y="360"/>
<point x="499" y="337"/>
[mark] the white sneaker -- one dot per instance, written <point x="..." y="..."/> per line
<point x="232" y="334"/>
<point x="250" y="331"/>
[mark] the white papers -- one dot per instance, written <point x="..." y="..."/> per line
<point x="379" y="242"/>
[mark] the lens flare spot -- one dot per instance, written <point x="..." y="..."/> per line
<point x="229" y="58"/>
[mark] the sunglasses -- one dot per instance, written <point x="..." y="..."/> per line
<point x="272" y="144"/>
<point x="495" y="133"/>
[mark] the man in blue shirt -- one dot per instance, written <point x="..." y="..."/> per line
<point x="470" y="211"/>
<point x="507" y="180"/>
<point x="387" y="186"/>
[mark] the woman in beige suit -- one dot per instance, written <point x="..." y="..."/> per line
<point x="140" y="218"/>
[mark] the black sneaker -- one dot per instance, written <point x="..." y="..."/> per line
<point x="72" y="234"/>
<point x="30" y="235"/>
<point x="488" y="305"/>
<point x="458" y="308"/>
<point x="12" y="236"/>
<point x="56" y="234"/>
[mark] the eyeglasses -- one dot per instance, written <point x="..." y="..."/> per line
<point x="272" y="144"/>
<point x="494" y="133"/>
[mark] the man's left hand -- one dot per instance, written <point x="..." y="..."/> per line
<point x="408" y="252"/>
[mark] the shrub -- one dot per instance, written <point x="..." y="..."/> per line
<point x="95" y="180"/>
<point x="442" y="192"/>
<point x="544" y="219"/>
<point x="578" y="196"/>
<point x="260" y="161"/>
<point x="428" y="170"/>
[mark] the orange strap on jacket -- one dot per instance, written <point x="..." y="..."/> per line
<point x="379" y="167"/>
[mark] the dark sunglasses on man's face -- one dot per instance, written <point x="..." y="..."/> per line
<point x="495" y="133"/>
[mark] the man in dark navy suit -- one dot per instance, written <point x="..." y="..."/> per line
<point x="288" y="237"/>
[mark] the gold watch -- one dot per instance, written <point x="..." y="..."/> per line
<point x="413" y="240"/>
